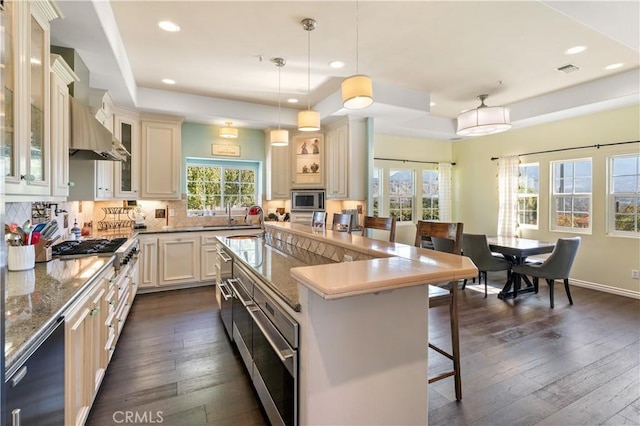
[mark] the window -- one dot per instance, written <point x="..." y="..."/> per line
<point x="624" y="194"/>
<point x="571" y="207"/>
<point x="375" y="181"/>
<point x="528" y="194"/>
<point x="430" y="205"/>
<point x="401" y="194"/>
<point x="213" y="184"/>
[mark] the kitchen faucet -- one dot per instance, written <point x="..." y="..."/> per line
<point x="229" y="218"/>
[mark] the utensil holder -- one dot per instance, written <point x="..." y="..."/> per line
<point x="21" y="258"/>
<point x="43" y="250"/>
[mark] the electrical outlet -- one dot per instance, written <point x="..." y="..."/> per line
<point x="347" y="258"/>
<point x="160" y="213"/>
<point x="635" y="274"/>
<point x="172" y="212"/>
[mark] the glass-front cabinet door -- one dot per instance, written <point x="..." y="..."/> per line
<point x="127" y="173"/>
<point x="27" y="156"/>
<point x="10" y="153"/>
<point x="308" y="160"/>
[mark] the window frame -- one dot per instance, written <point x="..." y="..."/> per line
<point x="611" y="197"/>
<point x="436" y="196"/>
<point x="525" y="196"/>
<point x="225" y="164"/>
<point x="553" y="196"/>
<point x="390" y="195"/>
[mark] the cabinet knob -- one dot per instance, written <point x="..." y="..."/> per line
<point x="94" y="311"/>
<point x="71" y="184"/>
<point x="28" y="178"/>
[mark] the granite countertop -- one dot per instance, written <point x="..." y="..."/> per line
<point x="394" y="265"/>
<point x="273" y="263"/>
<point x="38" y="297"/>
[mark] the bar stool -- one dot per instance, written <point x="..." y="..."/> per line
<point x="448" y="237"/>
<point x="342" y="222"/>
<point x="381" y="223"/>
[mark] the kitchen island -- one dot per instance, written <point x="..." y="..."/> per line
<point x="363" y="325"/>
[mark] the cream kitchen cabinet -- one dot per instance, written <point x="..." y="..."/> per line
<point x="308" y="165"/>
<point x="278" y="171"/>
<point x="126" y="174"/>
<point x="178" y="258"/>
<point x="346" y="150"/>
<point x="86" y="357"/>
<point x="91" y="180"/>
<point x="148" y="261"/>
<point x="160" y="157"/>
<point x="27" y="99"/>
<point x="61" y="76"/>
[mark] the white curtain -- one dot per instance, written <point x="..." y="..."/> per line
<point x="444" y="191"/>
<point x="508" y="171"/>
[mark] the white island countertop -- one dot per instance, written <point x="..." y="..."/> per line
<point x="394" y="265"/>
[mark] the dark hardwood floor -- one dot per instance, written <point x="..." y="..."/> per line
<point x="522" y="362"/>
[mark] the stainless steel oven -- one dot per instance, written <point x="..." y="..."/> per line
<point x="224" y="295"/>
<point x="275" y="360"/>
<point x="307" y="200"/>
<point x="242" y="290"/>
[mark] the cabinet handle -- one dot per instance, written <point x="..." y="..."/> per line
<point x="112" y="302"/>
<point x="71" y="184"/>
<point x="94" y="311"/>
<point x="28" y="178"/>
<point x="15" y="417"/>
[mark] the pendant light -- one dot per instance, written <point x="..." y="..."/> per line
<point x="308" y="120"/>
<point x="279" y="137"/>
<point x="357" y="90"/>
<point x="483" y="120"/>
<point x="228" y="131"/>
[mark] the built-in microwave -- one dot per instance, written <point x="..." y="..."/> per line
<point x="307" y="200"/>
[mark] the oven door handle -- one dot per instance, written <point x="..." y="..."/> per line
<point x="224" y="256"/>
<point x="224" y="290"/>
<point x="245" y="302"/>
<point x="283" y="350"/>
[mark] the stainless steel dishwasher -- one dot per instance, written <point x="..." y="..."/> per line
<point x="35" y="384"/>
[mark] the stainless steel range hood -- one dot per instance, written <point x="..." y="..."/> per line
<point x="90" y="140"/>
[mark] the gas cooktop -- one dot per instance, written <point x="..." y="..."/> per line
<point x="87" y="247"/>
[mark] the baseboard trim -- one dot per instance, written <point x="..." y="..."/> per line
<point x="605" y="288"/>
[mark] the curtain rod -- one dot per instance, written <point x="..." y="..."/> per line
<point x="413" y="161"/>
<point x="597" y="146"/>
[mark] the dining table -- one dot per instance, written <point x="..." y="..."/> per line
<point x="516" y="250"/>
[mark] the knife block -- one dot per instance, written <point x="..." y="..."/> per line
<point x="43" y="250"/>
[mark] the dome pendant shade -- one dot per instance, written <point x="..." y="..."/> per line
<point x="279" y="137"/>
<point x="357" y="92"/>
<point x="484" y="120"/>
<point x="308" y="121"/>
<point x="228" y="131"/>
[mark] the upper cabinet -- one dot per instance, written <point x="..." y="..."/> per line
<point x="27" y="98"/>
<point x="346" y="159"/>
<point x="126" y="128"/>
<point x="308" y="160"/>
<point x="160" y="156"/>
<point x="278" y="170"/>
<point x="61" y="76"/>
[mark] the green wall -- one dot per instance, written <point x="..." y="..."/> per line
<point x="603" y="260"/>
<point x="198" y="138"/>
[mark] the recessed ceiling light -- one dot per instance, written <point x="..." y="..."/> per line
<point x="432" y="103"/>
<point x="575" y="49"/>
<point x="168" y="81"/>
<point x="336" y="64"/>
<point x="292" y="100"/>
<point x="169" y="26"/>
<point x="614" y="66"/>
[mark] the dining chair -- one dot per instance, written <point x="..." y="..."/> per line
<point x="476" y="247"/>
<point x="342" y="222"/>
<point x="556" y="267"/>
<point x="441" y="236"/>
<point x="380" y="223"/>
<point x="447" y="237"/>
<point x="319" y="219"/>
